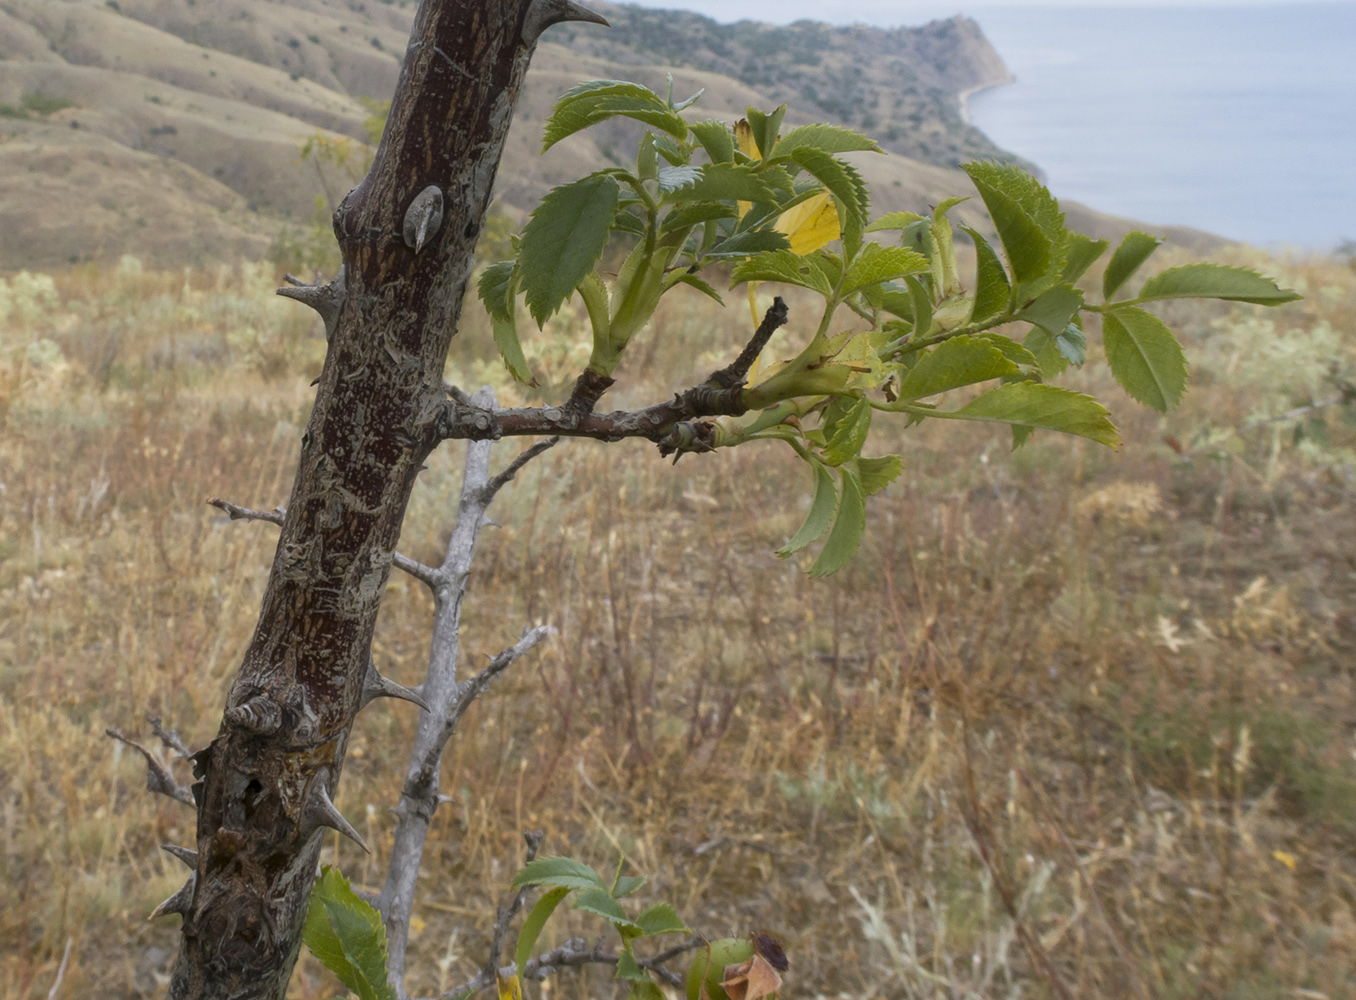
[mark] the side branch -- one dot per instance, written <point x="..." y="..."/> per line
<point x="426" y="575"/>
<point x="669" y="424"/>
<point x="158" y="777"/>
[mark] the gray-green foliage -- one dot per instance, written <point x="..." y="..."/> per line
<point x="787" y="209"/>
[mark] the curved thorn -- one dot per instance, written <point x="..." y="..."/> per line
<point x="544" y="13"/>
<point x="321" y="811"/>
<point x="377" y="686"/>
<point x="185" y="854"/>
<point x="179" y="902"/>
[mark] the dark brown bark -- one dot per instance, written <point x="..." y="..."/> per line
<point x="266" y="781"/>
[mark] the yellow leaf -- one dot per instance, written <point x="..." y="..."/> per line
<point x="811" y="224"/>
<point x="744" y="137"/>
<point x="1285" y="858"/>
<point x="509" y="988"/>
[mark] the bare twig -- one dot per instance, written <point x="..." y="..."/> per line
<point x="510" y="908"/>
<point x="498" y="482"/>
<point x="61" y="970"/>
<point x="470" y="690"/>
<point x="573" y="954"/>
<point x="426" y="575"/>
<point x="737" y="371"/>
<point x="170" y="739"/>
<point x="158" y="777"/>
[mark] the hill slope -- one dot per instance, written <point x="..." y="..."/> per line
<point x="171" y="129"/>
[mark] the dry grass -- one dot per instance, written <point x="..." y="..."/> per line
<point x="1127" y="677"/>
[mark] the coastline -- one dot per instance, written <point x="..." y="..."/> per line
<point x="970" y="92"/>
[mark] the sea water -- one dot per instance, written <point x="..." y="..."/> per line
<point x="1238" y="120"/>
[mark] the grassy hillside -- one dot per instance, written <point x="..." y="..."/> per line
<point x="170" y="129"/>
<point x="1128" y="674"/>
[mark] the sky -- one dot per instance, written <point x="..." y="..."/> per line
<point x="883" y="13"/>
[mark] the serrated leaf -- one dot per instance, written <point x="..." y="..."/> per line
<point x="511" y="349"/>
<point x="536" y="920"/>
<point x="840" y="178"/>
<point x="1215" y="281"/>
<point x="765" y="127"/>
<point x="878" y="263"/>
<point x="661" y="918"/>
<point x="627" y="884"/>
<point x="716" y="139"/>
<point x="781" y="265"/>
<point x="1073" y="344"/>
<point x="563" y="240"/>
<point x="848" y="526"/>
<point x="598" y="100"/>
<point x="724" y="182"/>
<point x="846" y="423"/>
<point x="1035" y="405"/>
<point x="565" y="873"/>
<point x="827" y="138"/>
<point x="1145" y="357"/>
<point x="691" y="215"/>
<point x="348" y="937"/>
<point x="675" y="178"/>
<point x="626" y="222"/>
<point x="1053" y="309"/>
<point x="495" y="288"/>
<point x="748" y="243"/>
<point x="1029" y="222"/>
<point x="1083" y="253"/>
<point x="1134" y="250"/>
<point x="629" y="968"/>
<point x="1041" y="343"/>
<point x="992" y="290"/>
<point x="700" y="284"/>
<point x="1020" y="356"/>
<point x="894" y="220"/>
<point x="820" y="515"/>
<point x="951" y="364"/>
<point x="600" y="904"/>
<point x="877" y="473"/>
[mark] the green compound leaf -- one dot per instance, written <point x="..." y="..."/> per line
<point x="878" y="263"/>
<point x="717" y="139"/>
<point x="1134" y="250"/>
<point x="878" y="473"/>
<point x="1084" y="251"/>
<point x="847" y="421"/>
<point x="724" y="182"/>
<point x="952" y="364"/>
<point x="819" y="518"/>
<point x="992" y="289"/>
<point x="826" y="138"/>
<point x="748" y="243"/>
<point x="563" y="240"/>
<point x="348" y="937"/>
<point x="842" y="180"/>
<point x="627" y="884"/>
<point x="1215" y="281"/>
<point x="536" y="920"/>
<point x="495" y="289"/>
<point x="1034" y="406"/>
<point x="600" y="904"/>
<point x="782" y="265"/>
<point x="765" y="128"/>
<point x="894" y="220"/>
<point x="565" y="873"/>
<point x="598" y="100"/>
<point x="1145" y="357"/>
<point x="1053" y="309"/>
<point x="848" y="526"/>
<point x="661" y="918"/>
<point x="700" y="284"/>
<point x="1028" y="219"/>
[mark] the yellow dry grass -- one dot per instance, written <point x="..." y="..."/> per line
<point x="1128" y="677"/>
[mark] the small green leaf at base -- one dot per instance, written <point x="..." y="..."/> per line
<point x="563" y="240"/>
<point x="819" y="518"/>
<point x="661" y="918"/>
<point x="848" y="525"/>
<point x="556" y="871"/>
<point x="536" y="920"/>
<point x="600" y="904"/>
<point x="1133" y="251"/>
<point x="347" y="935"/>
<point x="1145" y="357"/>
